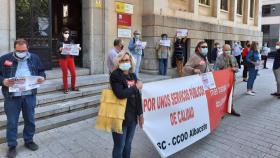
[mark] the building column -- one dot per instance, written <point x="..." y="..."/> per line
<point x="257" y="13"/>
<point x="194" y="6"/>
<point x="12" y="23"/>
<point x="93" y="37"/>
<point x="216" y="9"/>
<point x="232" y="10"/>
<point x="246" y="13"/>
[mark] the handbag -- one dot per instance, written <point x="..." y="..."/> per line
<point x="111" y="112"/>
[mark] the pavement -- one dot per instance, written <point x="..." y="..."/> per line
<point x="256" y="134"/>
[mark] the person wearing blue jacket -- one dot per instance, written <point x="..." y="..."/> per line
<point x="253" y="60"/>
<point x="19" y="64"/>
<point x="136" y="50"/>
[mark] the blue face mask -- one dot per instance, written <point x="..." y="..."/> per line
<point x="21" y="54"/>
<point x="204" y="51"/>
<point x="125" y="66"/>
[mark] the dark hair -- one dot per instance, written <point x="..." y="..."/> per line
<point x="254" y="46"/>
<point x="20" y="41"/>
<point x="64" y="29"/>
<point x="198" y="45"/>
<point x="164" y="34"/>
<point x="117" y="41"/>
<point x="217" y="43"/>
<point x="248" y="45"/>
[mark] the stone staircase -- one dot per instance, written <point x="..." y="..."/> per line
<point x="55" y="109"/>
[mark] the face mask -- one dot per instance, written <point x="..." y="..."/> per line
<point x="204" y="51"/>
<point x="228" y="52"/>
<point x="164" y="38"/>
<point x="21" y="54"/>
<point x="277" y="47"/>
<point x="121" y="47"/>
<point x="125" y="66"/>
<point x="66" y="35"/>
<point x="137" y="36"/>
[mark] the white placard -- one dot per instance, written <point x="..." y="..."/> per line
<point x="182" y="32"/>
<point x="166" y="43"/>
<point x="71" y="49"/>
<point x="124" y="33"/>
<point x="141" y="44"/>
<point x="25" y="83"/>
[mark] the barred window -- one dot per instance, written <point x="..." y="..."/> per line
<point x="224" y="5"/>
<point x="206" y="2"/>
<point x="239" y="7"/>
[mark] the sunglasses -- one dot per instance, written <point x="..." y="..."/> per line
<point x="203" y="47"/>
<point x="125" y="61"/>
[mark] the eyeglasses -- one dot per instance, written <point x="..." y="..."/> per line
<point x="125" y="61"/>
<point x="203" y="47"/>
<point x="66" y="33"/>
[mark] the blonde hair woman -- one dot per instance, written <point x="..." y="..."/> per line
<point x="125" y="84"/>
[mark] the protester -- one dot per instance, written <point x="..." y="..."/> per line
<point x="276" y="69"/>
<point x="118" y="46"/>
<point x="66" y="61"/>
<point x="20" y="63"/>
<point x="237" y="53"/>
<point x="253" y="61"/>
<point x="215" y="52"/>
<point x="136" y="50"/>
<point x="198" y="62"/>
<point x="178" y="55"/>
<point x="225" y="61"/>
<point x="163" y="53"/>
<point x="264" y="53"/>
<point x="245" y="65"/>
<point x="125" y="84"/>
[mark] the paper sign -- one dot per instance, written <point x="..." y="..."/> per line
<point x="181" y="32"/>
<point x="124" y="8"/>
<point x="165" y="43"/>
<point x="71" y="49"/>
<point x="24" y="83"/>
<point x="124" y="33"/>
<point x="141" y="44"/>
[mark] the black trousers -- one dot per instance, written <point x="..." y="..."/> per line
<point x="238" y="60"/>
<point x="264" y="58"/>
<point x="245" y="70"/>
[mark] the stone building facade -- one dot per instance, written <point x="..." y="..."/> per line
<point x="96" y="27"/>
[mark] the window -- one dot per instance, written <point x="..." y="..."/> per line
<point x="239" y="7"/>
<point x="252" y="4"/>
<point x="266" y="10"/>
<point x="224" y="5"/>
<point x="265" y="29"/>
<point x="206" y="2"/>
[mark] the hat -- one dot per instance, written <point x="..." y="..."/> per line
<point x="136" y="32"/>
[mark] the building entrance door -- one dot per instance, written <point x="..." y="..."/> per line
<point x="67" y="13"/>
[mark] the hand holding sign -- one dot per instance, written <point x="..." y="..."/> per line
<point x="71" y="49"/>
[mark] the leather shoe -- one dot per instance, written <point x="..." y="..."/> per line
<point x="234" y="113"/>
<point x="12" y="153"/>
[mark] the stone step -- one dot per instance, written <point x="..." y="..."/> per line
<point x="48" y="98"/>
<point x="56" y="72"/>
<point x="59" y="108"/>
<point x="57" y="121"/>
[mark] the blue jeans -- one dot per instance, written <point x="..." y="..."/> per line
<point x="163" y="66"/>
<point x="122" y="142"/>
<point x="12" y="107"/>
<point x="137" y="59"/>
<point x="252" y="76"/>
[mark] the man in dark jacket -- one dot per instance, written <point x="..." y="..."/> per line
<point x="214" y="53"/>
<point x="276" y="69"/>
<point x="20" y="64"/>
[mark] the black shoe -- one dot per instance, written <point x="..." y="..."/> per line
<point x="275" y="94"/>
<point x="245" y="80"/>
<point x="66" y="91"/>
<point x="234" y="113"/>
<point x="265" y="68"/>
<point x="75" y="89"/>
<point x="12" y="153"/>
<point x="31" y="146"/>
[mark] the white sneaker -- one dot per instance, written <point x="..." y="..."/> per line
<point x="250" y="93"/>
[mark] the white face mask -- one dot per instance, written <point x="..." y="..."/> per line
<point x="66" y="35"/>
<point x="137" y="36"/>
<point x="277" y="47"/>
<point x="21" y="54"/>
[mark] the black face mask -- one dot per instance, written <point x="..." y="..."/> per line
<point x="122" y="47"/>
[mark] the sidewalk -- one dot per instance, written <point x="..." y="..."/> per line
<point x="256" y="134"/>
